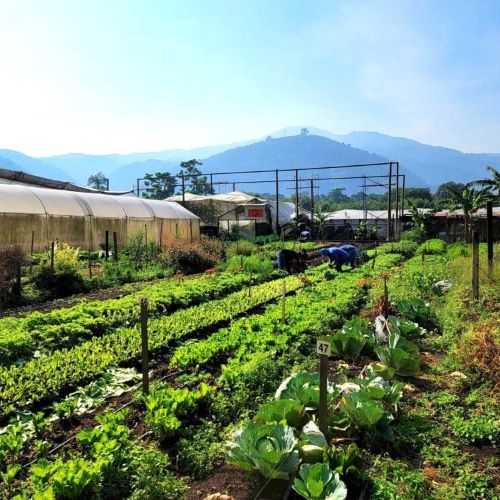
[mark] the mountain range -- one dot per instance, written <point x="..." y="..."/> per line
<point x="289" y="148"/>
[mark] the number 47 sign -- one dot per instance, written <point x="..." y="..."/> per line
<point x="323" y="347"/>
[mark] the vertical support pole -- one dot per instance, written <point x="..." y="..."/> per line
<point x="137" y="187"/>
<point x="403" y="197"/>
<point x="146" y="234"/>
<point x="32" y="242"/>
<point x="475" y="265"/>
<point x="389" y="203"/>
<point x="90" y="263"/>
<point x="52" y="256"/>
<point x="145" y="345"/>
<point x="283" y="303"/>
<point x="107" y="184"/>
<point x="277" y="193"/>
<point x="211" y="184"/>
<point x="312" y="208"/>
<point x="296" y="196"/>
<point x="397" y="200"/>
<point x="106" y="245"/>
<point x="323" y="386"/>
<point x="183" y="184"/>
<point x="115" y="246"/>
<point x="489" y="235"/>
<point x="191" y="229"/>
<point x="234" y="186"/>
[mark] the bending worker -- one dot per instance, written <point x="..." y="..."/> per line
<point x="340" y="256"/>
<point x="290" y="261"/>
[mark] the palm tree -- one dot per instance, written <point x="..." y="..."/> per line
<point x="420" y="219"/>
<point x="493" y="184"/>
<point x="469" y="200"/>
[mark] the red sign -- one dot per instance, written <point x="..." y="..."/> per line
<point x="256" y="213"/>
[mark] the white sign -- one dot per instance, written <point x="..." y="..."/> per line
<point x="323" y="347"/>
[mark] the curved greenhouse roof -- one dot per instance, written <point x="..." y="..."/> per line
<point x="17" y="199"/>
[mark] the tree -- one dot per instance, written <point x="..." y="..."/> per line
<point x="443" y="190"/>
<point x="418" y="193"/>
<point x="469" y="200"/>
<point x="159" y="186"/>
<point x="493" y="183"/>
<point x="98" y="181"/>
<point x="420" y="219"/>
<point x="194" y="182"/>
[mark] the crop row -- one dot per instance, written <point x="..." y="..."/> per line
<point x="305" y="315"/>
<point x="44" y="377"/>
<point x="42" y="333"/>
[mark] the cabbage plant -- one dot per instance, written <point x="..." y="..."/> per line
<point x="268" y="449"/>
<point x="318" y="482"/>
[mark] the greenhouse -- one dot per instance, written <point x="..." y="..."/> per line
<point x="34" y="217"/>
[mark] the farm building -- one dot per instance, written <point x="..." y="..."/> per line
<point x="252" y="214"/>
<point x="223" y="211"/>
<point x="81" y="219"/>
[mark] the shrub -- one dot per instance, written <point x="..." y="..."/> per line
<point x="11" y="258"/>
<point x="406" y="248"/>
<point x="241" y="247"/>
<point x="252" y="264"/>
<point x="118" y="273"/>
<point x="65" y="278"/>
<point x="434" y="247"/>
<point x="188" y="257"/>
<point x="214" y="248"/>
<point x="413" y="234"/>
<point x="140" y="252"/>
<point x="458" y="249"/>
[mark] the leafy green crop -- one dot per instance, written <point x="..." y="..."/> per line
<point x="269" y="449"/>
<point x="318" y="482"/>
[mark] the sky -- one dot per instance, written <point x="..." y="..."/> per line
<point x="124" y="76"/>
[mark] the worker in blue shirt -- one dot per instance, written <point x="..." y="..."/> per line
<point x="339" y="257"/>
<point x="352" y="251"/>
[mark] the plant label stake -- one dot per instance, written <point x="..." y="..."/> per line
<point x="323" y="348"/>
<point x="145" y="346"/>
<point x="475" y="265"/>
<point x="283" y="303"/>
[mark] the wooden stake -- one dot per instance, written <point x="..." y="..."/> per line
<point x="475" y="265"/>
<point x="283" y="303"/>
<point x="489" y="232"/>
<point x="106" y="245"/>
<point x="90" y="263"/>
<point x="145" y="345"/>
<point x="323" y="384"/>
<point x="115" y="246"/>
<point x="52" y="244"/>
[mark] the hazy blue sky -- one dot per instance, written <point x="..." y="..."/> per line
<point x="121" y="76"/>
